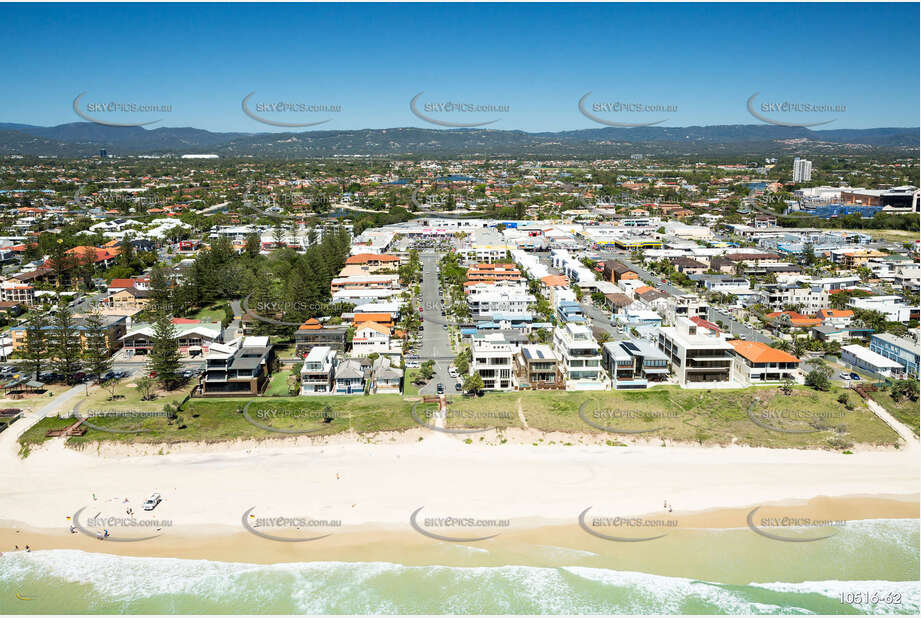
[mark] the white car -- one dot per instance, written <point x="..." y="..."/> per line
<point x="152" y="502"/>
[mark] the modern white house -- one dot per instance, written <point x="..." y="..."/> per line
<point x="493" y="361"/>
<point x="580" y="358"/>
<point x="698" y="355"/>
<point x="318" y="371"/>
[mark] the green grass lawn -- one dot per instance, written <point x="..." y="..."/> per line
<point x="212" y="313"/>
<point x="410" y="389"/>
<point x="278" y="386"/>
<point x="128" y="397"/>
<point x="905" y="411"/>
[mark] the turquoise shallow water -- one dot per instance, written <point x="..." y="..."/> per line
<point x="69" y="581"/>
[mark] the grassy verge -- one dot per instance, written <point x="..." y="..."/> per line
<point x="217" y="420"/>
<point x="905" y="411"/>
<point x="804" y="419"/>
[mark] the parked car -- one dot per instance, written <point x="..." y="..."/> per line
<point x="458" y="386"/>
<point x="844" y="375"/>
<point x="855" y="376"/>
<point x="440" y="389"/>
<point x="152" y="502"/>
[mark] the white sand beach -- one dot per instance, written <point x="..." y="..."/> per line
<point x="381" y="484"/>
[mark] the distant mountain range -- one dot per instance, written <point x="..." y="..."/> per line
<point x="81" y="139"/>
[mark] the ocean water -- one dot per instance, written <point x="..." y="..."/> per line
<point x="881" y="554"/>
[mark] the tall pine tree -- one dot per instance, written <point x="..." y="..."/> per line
<point x="96" y="353"/>
<point x="164" y="351"/>
<point x="37" y="342"/>
<point x="67" y="351"/>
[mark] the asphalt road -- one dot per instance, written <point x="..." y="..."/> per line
<point x="658" y="282"/>
<point x="714" y="314"/>
<point x="737" y="328"/>
<point x="435" y="337"/>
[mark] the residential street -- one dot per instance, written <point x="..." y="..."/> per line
<point x="435" y="337"/>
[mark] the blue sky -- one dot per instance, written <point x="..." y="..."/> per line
<point x="538" y="59"/>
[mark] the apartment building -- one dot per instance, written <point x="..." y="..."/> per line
<point x="893" y="307"/>
<point x="802" y="170"/>
<point x="312" y="333"/>
<point x="14" y="291"/>
<point x="318" y="371"/>
<point x="489" y="273"/>
<point x="537" y="368"/>
<point x="507" y="300"/>
<point x="699" y="357"/>
<point x="493" y="360"/>
<point x="483" y="253"/>
<point x="580" y="357"/>
<point x="373" y="261"/>
<point x="758" y="363"/>
<point x="113" y="326"/>
<point x="871" y="362"/>
<point x="898" y="349"/>
<point x="806" y="299"/>
<point x="365" y="282"/>
<point x="195" y="337"/>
